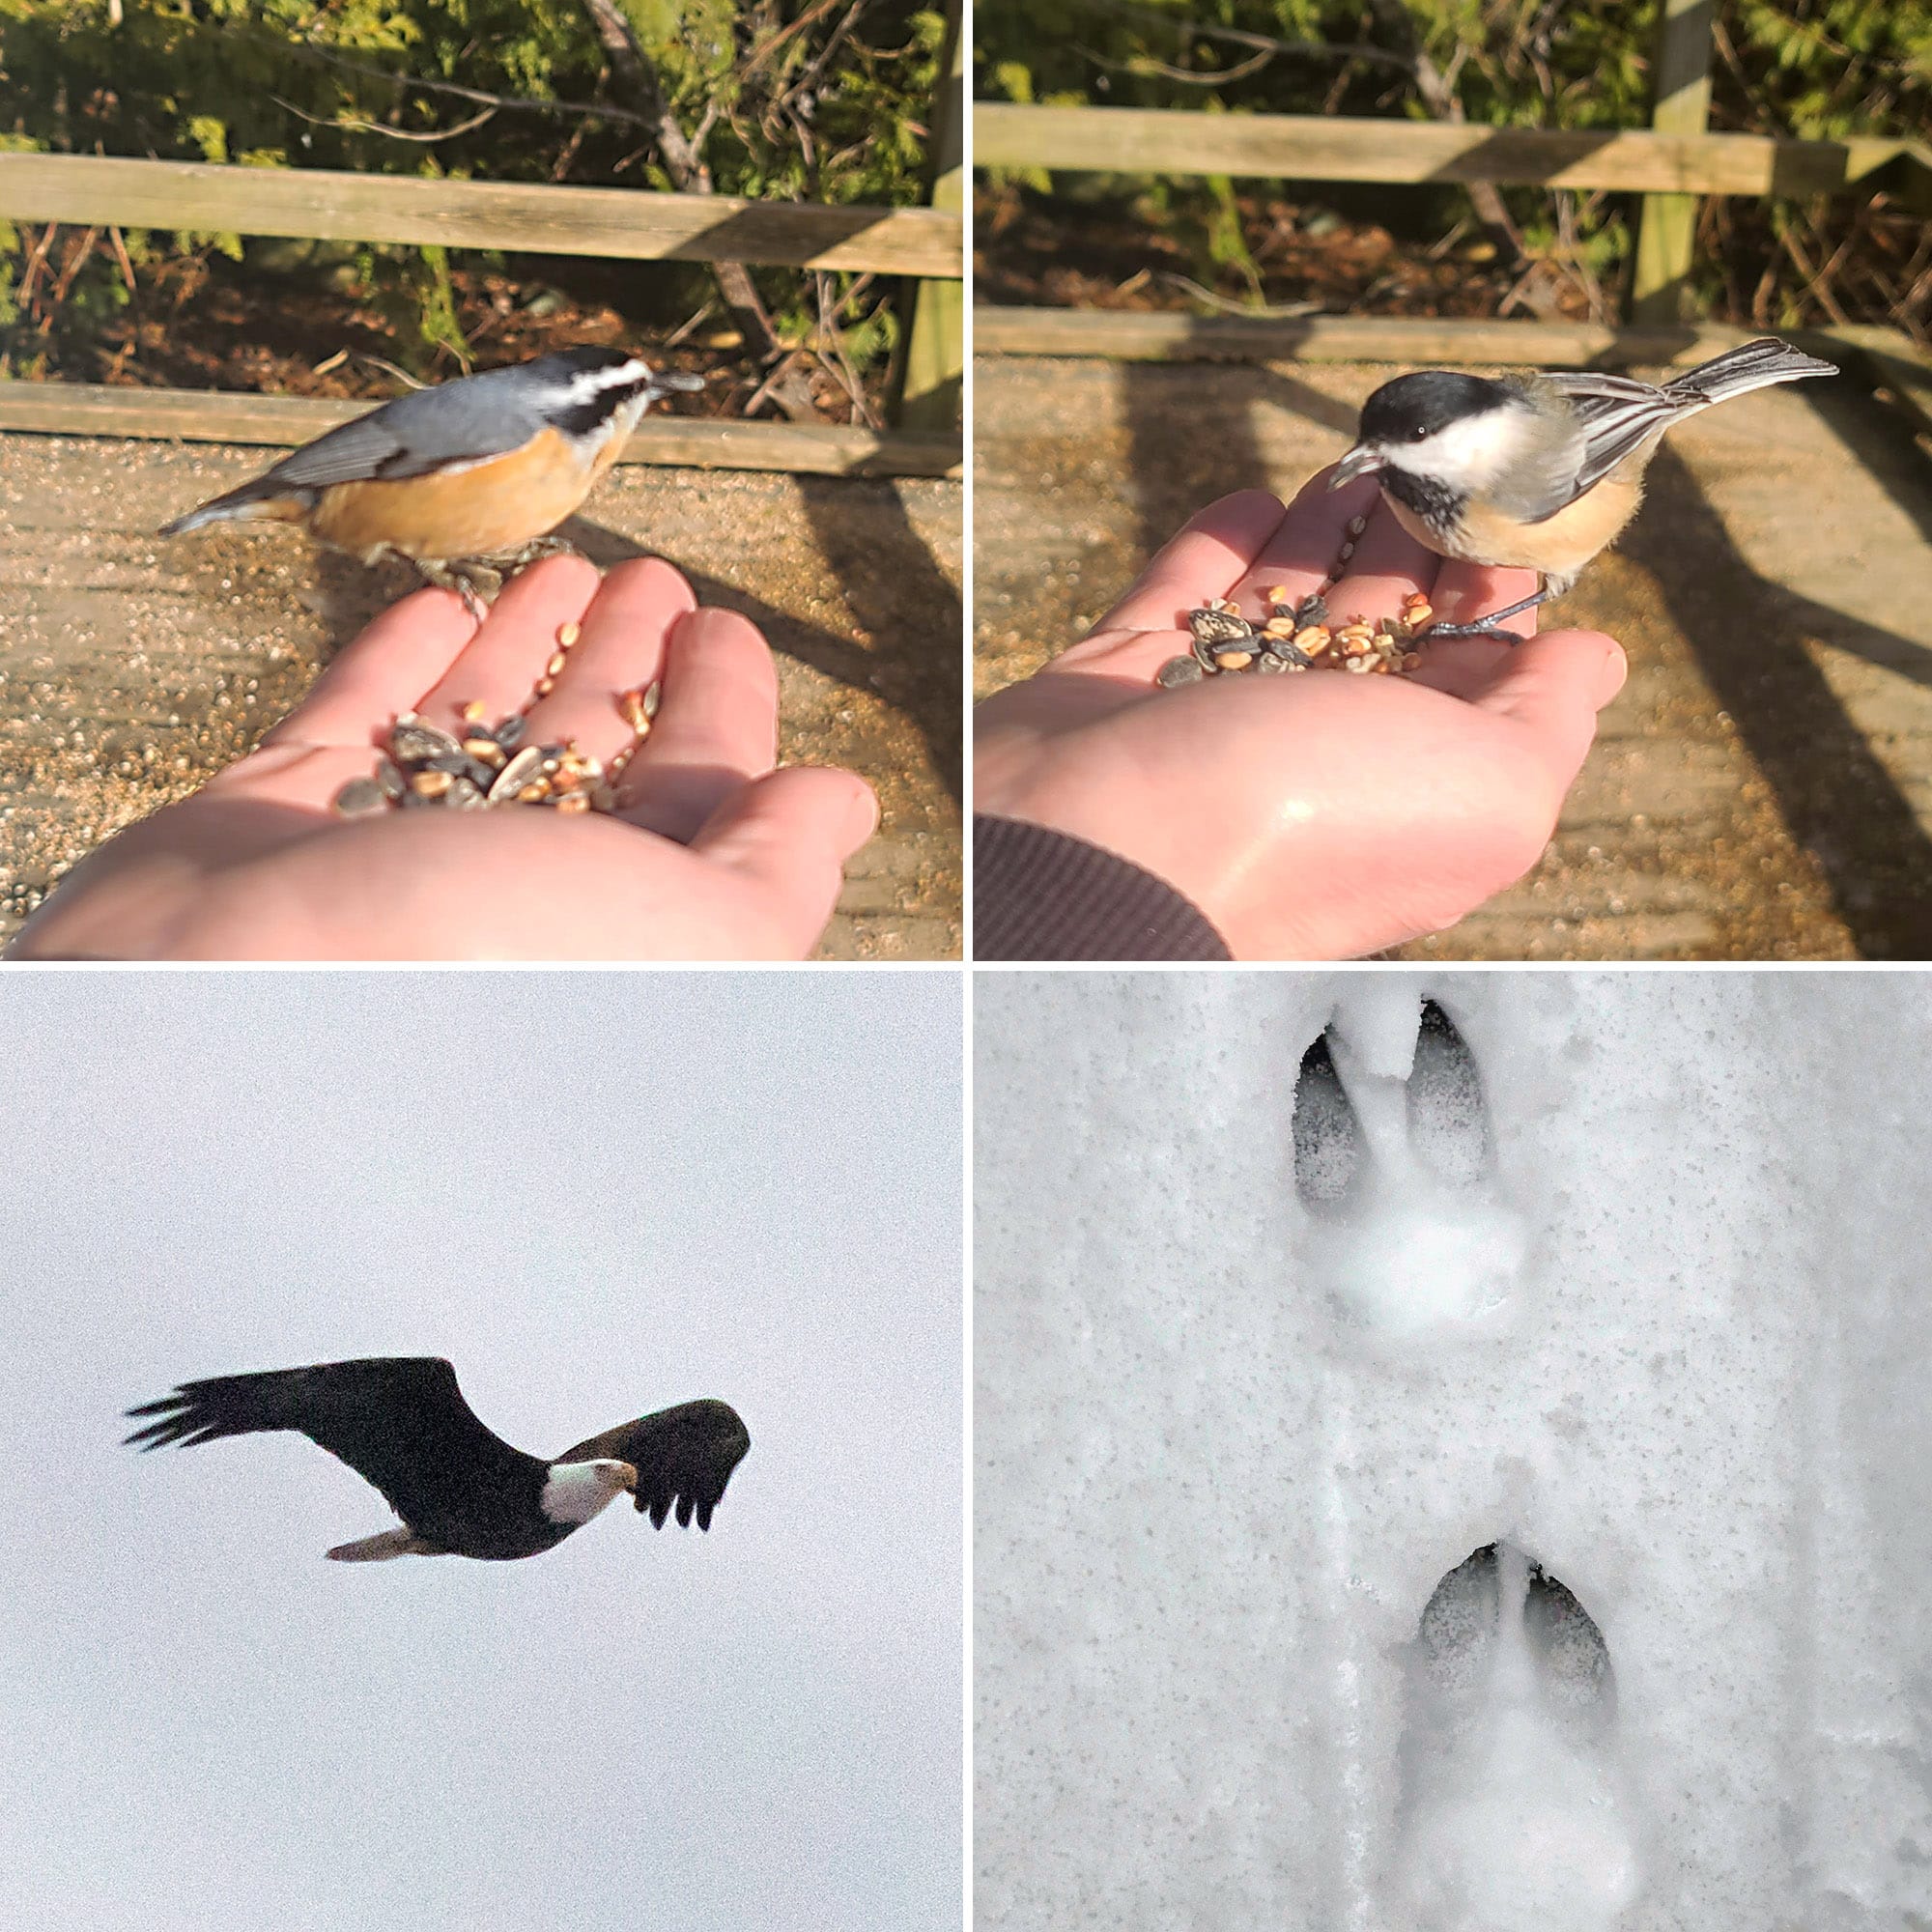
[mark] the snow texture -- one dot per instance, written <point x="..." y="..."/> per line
<point x="1490" y="1494"/>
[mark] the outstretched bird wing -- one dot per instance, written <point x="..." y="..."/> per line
<point x="399" y="1421"/>
<point x="683" y="1457"/>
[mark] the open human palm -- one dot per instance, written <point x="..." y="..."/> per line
<point x="1317" y="815"/>
<point x="712" y="853"/>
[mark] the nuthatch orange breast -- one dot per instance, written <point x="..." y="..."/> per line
<point x="1535" y="472"/>
<point x="476" y="471"/>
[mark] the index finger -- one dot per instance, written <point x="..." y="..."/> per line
<point x="1214" y="550"/>
<point x="383" y="670"/>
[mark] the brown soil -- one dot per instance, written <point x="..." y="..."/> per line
<point x="1034" y="250"/>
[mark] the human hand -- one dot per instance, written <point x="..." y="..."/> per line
<point x="712" y="854"/>
<point x="1317" y="815"/>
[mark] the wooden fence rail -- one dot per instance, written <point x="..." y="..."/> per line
<point x="1314" y="147"/>
<point x="623" y="224"/>
<point x="925" y="244"/>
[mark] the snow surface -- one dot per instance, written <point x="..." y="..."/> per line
<point x="1632" y="1296"/>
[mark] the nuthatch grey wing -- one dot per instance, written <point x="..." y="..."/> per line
<point x="1536" y="471"/>
<point x="481" y="469"/>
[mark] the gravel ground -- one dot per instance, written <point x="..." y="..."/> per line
<point x="1762" y="789"/>
<point x="130" y="669"/>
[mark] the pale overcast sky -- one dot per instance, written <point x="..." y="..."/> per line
<point x="598" y="1194"/>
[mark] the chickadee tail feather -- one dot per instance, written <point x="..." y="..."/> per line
<point x="248" y="505"/>
<point x="1756" y="366"/>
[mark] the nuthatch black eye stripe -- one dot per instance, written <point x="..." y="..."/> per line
<point x="1536" y="471"/>
<point x="477" y="472"/>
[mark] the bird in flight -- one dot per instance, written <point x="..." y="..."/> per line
<point x="401" y="1423"/>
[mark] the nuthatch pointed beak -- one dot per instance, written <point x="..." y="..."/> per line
<point x="1361" y="461"/>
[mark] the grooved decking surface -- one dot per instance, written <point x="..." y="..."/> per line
<point x="132" y="668"/>
<point x="1762" y="789"/>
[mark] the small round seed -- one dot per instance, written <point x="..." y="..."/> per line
<point x="574" y="800"/>
<point x="431" y="784"/>
<point x="1357" y="524"/>
<point x="473" y="712"/>
<point x="568" y="634"/>
<point x="545" y="686"/>
<point x="1347" y="550"/>
<point x="1313" y="640"/>
<point x="1233" y="660"/>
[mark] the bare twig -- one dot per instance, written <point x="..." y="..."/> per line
<point x="690" y="324"/>
<point x="781" y="371"/>
<point x="1277" y="311"/>
<point x="1237" y="37"/>
<point x="120" y="256"/>
<point x="684" y="164"/>
<point x="1187" y="77"/>
<point x="310" y="49"/>
<point x="1436" y="91"/>
<point x="351" y="124"/>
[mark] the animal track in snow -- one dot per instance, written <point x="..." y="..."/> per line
<point x="1398" y="1172"/>
<point x="1513" y="1819"/>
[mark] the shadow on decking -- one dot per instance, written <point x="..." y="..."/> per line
<point x="1749" y="635"/>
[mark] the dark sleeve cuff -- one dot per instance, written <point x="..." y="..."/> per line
<point x="1042" y="895"/>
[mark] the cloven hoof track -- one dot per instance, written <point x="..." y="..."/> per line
<point x="1408" y="1231"/>
<point x="1448" y="1121"/>
<point x="1513" y="1813"/>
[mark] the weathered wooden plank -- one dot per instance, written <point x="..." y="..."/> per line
<point x="1681" y="104"/>
<point x="1894" y="363"/>
<point x="1134" y="140"/>
<point x="1886" y="357"/>
<point x="534" y="219"/>
<point x="1418" y="341"/>
<point x="81" y="409"/>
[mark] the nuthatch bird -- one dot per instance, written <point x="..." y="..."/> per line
<point x="1535" y="472"/>
<point x="477" y="472"/>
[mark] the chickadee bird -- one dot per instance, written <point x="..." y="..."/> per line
<point x="1535" y="472"/>
<point x="477" y="472"/>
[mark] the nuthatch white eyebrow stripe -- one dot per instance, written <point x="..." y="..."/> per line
<point x="1536" y="471"/>
<point x="477" y="472"/>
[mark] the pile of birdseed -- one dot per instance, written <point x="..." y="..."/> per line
<point x="1299" y="636"/>
<point x="423" y="765"/>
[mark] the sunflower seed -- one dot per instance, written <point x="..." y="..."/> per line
<point x="360" y="798"/>
<point x="1210" y="626"/>
<point x="516" y="775"/>
<point x="1177" y="671"/>
<point x="413" y="741"/>
<point x="390" y="778"/>
<point x="464" y="795"/>
<point x="510" y="732"/>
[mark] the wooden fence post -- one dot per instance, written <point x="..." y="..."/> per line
<point x="932" y="368"/>
<point x="1680" y="104"/>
